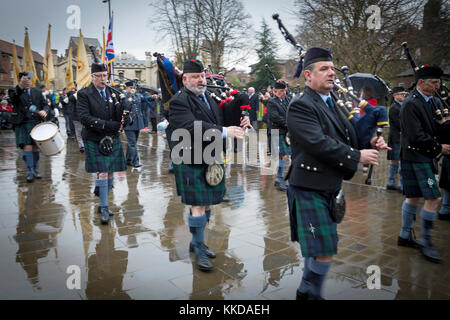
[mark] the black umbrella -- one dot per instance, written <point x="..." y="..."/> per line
<point x="375" y="83"/>
<point x="150" y="89"/>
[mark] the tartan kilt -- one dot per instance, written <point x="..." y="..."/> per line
<point x="394" y="154"/>
<point x="444" y="181"/>
<point x="285" y="150"/>
<point x="419" y="180"/>
<point x="22" y="132"/>
<point x="193" y="188"/>
<point x="312" y="208"/>
<point x="97" y="162"/>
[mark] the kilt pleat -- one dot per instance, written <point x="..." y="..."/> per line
<point x="419" y="180"/>
<point x="311" y="221"/>
<point x="193" y="188"/>
<point x="285" y="150"/>
<point x="97" y="162"/>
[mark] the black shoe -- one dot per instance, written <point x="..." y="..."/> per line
<point x="137" y="165"/>
<point x="105" y="214"/>
<point x="81" y="150"/>
<point x="209" y="253"/>
<point x="202" y="261"/>
<point x="109" y="211"/>
<point x="281" y="186"/>
<point x="30" y="177"/>
<point x="37" y="175"/>
<point x="301" y="296"/>
<point x="444" y="217"/>
<point x="410" y="242"/>
<point x="171" y="170"/>
<point x="430" y="254"/>
<point x="392" y="187"/>
<point x="226" y="198"/>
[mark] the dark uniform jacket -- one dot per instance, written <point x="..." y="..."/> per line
<point x="419" y="130"/>
<point x="277" y="111"/>
<point x="254" y="105"/>
<point x="21" y="102"/>
<point x="95" y="113"/>
<point x="323" y="144"/>
<point x="136" y="112"/>
<point x="185" y="108"/>
<point x="394" y="123"/>
<point x="72" y="106"/>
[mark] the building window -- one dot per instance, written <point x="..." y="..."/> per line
<point x="138" y="74"/>
<point x="11" y="59"/>
<point x="121" y="75"/>
<point x="12" y="75"/>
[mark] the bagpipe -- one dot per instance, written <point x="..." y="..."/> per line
<point x="440" y="110"/>
<point x="343" y="96"/>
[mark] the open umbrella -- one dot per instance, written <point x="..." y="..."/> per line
<point x="150" y="89"/>
<point x="375" y="83"/>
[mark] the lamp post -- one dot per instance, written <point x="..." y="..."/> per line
<point x="109" y="7"/>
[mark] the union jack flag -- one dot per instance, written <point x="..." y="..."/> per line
<point x="110" y="57"/>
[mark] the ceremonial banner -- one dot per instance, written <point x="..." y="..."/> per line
<point x="110" y="52"/>
<point x="16" y="66"/>
<point x="69" y="72"/>
<point x="28" y="61"/>
<point x="49" y="72"/>
<point x="83" y="70"/>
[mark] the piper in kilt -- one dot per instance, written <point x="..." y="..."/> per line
<point x="324" y="153"/>
<point x="31" y="104"/>
<point x="189" y="108"/>
<point x="277" y="107"/>
<point x="418" y="165"/>
<point x="101" y="113"/>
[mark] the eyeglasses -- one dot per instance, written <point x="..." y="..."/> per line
<point x="101" y="75"/>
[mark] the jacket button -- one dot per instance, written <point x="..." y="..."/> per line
<point x="302" y="165"/>
<point x="351" y="149"/>
<point x="308" y="167"/>
<point x="341" y="164"/>
<point x="315" y="169"/>
<point x="348" y="157"/>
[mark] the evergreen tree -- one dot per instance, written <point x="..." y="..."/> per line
<point x="266" y="50"/>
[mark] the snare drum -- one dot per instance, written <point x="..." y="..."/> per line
<point x="48" y="139"/>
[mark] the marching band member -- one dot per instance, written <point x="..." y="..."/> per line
<point x="418" y="166"/>
<point x="191" y="104"/>
<point x="31" y="107"/>
<point x="102" y="116"/>
<point x="324" y="153"/>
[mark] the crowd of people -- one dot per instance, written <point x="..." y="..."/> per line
<point x="319" y="141"/>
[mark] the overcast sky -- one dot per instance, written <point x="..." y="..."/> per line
<point x="131" y="33"/>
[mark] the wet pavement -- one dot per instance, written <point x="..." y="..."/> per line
<point x="51" y="227"/>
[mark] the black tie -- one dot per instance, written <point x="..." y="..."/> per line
<point x="102" y="93"/>
<point x="330" y="104"/>
<point x="204" y="101"/>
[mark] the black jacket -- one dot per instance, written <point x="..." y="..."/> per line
<point x="254" y="105"/>
<point x="21" y="103"/>
<point x="277" y="114"/>
<point x="394" y="123"/>
<point x="95" y="113"/>
<point x="72" y="106"/>
<point x="185" y="108"/>
<point x="419" y="130"/>
<point x="324" y="144"/>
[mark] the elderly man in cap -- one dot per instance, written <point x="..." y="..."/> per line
<point x="420" y="148"/>
<point x="393" y="155"/>
<point x="277" y="108"/>
<point x="132" y="130"/>
<point x="30" y="104"/>
<point x="190" y="105"/>
<point x="324" y="153"/>
<point x="101" y="114"/>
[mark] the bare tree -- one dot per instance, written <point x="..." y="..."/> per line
<point x="178" y="20"/>
<point x="224" y="29"/>
<point x="343" y="26"/>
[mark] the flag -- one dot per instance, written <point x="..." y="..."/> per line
<point x="110" y="52"/>
<point x="16" y="66"/>
<point x="69" y="73"/>
<point x="104" y="48"/>
<point x="49" y="71"/>
<point x="28" y="61"/>
<point x="83" y="70"/>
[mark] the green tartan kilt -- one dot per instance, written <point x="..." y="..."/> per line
<point x="285" y="150"/>
<point x="22" y="132"/>
<point x="419" y="180"/>
<point x="97" y="162"/>
<point x="193" y="188"/>
<point x="307" y="210"/>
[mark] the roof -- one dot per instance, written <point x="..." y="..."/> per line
<point x="6" y="47"/>
<point x="87" y="42"/>
<point x="129" y="62"/>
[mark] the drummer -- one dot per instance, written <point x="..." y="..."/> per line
<point x="30" y="103"/>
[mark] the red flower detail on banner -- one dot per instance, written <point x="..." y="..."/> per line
<point x="246" y="107"/>
<point x="234" y="92"/>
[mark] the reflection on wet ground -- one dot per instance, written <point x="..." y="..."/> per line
<point x="51" y="226"/>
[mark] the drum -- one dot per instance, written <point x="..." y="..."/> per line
<point x="48" y="139"/>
